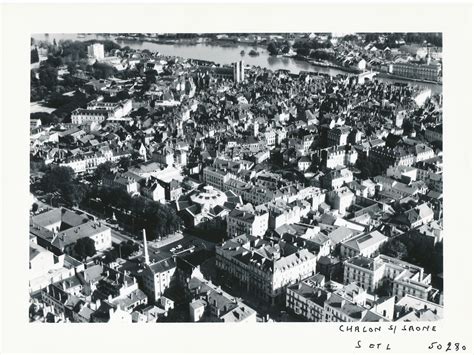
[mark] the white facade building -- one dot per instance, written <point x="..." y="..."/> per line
<point x="96" y="51"/>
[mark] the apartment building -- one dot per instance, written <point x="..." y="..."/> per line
<point x="338" y="156"/>
<point x="307" y="299"/>
<point x="338" y="136"/>
<point x="68" y="227"/>
<point x="263" y="268"/>
<point x="401" y="277"/>
<point x="247" y="220"/>
<point x="215" y="177"/>
<point x="416" y="71"/>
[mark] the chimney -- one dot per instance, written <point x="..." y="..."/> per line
<point x="145" y="248"/>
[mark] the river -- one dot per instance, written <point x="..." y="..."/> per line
<point x="221" y="55"/>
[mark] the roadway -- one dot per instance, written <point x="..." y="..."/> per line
<point x="162" y="250"/>
<point x="183" y="241"/>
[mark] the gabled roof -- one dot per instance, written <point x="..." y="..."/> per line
<point x="60" y="215"/>
<point x="71" y="235"/>
<point x="359" y="243"/>
<point x="162" y="266"/>
<point x="340" y="234"/>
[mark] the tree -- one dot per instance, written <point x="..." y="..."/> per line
<point x="54" y="61"/>
<point x="303" y="51"/>
<point x="103" y="70"/>
<point x="84" y="247"/>
<point x="276" y="158"/>
<point x="33" y="310"/>
<point x="57" y="178"/>
<point x="38" y="93"/>
<point x="34" y="207"/>
<point x="71" y="68"/>
<point x="159" y="220"/>
<point x="322" y="55"/>
<point x="66" y="104"/>
<point x="371" y="37"/>
<point x="61" y="179"/>
<point x="368" y="168"/>
<point x="34" y="55"/>
<point x="407" y="126"/>
<point x="135" y="155"/>
<point x="102" y="170"/>
<point x="111" y="256"/>
<point x="73" y="51"/>
<point x="150" y="76"/>
<point x="128" y="248"/>
<point x="129" y="73"/>
<point x="76" y="194"/>
<point x="48" y="76"/>
<point x="437" y="145"/>
<point x="273" y="48"/>
<point x="394" y="248"/>
<point x="383" y="290"/>
<point x="114" y="197"/>
<point x="36" y="165"/>
<point x="33" y="79"/>
<point x="349" y="38"/>
<point x="141" y="112"/>
<point x="139" y="67"/>
<point x="122" y="95"/>
<point x="124" y="163"/>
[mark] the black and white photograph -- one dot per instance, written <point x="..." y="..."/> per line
<point x="250" y="177"/>
<point x="236" y="177"/>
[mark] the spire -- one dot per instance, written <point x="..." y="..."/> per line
<point x="145" y="248"/>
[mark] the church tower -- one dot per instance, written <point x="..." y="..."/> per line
<point x="142" y="152"/>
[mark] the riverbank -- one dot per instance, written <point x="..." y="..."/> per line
<point x="189" y="41"/>
<point x="327" y="64"/>
<point x="335" y="66"/>
<point x="156" y="40"/>
<point x="226" y="52"/>
<point x="324" y="67"/>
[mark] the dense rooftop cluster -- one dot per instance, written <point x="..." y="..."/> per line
<point x="178" y="190"/>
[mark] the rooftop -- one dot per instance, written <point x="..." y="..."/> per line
<point x="71" y="235"/>
<point x="364" y="241"/>
<point x="65" y="217"/>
